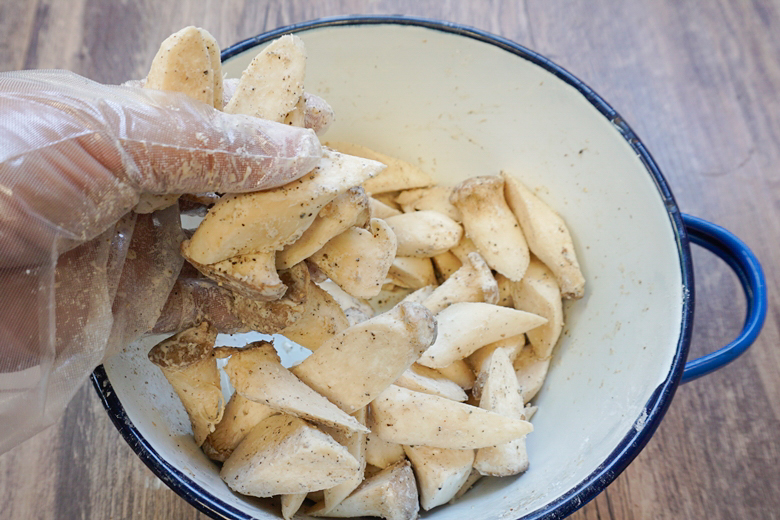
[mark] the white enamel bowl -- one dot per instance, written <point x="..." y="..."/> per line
<point x="459" y="103"/>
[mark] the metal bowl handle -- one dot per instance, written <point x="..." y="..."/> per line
<point x="748" y="269"/>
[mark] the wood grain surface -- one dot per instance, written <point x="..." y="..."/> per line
<point x="698" y="80"/>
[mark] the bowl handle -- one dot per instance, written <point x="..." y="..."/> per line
<point x="748" y="269"/>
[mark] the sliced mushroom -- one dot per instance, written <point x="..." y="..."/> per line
<point x="291" y="503"/>
<point x="388" y="199"/>
<point x="504" y="290"/>
<point x="440" y="472"/>
<point x="322" y="319"/>
<point x="257" y="374"/>
<point x="436" y="198"/>
<point x="538" y="293"/>
<point x="464" y="327"/>
<point x="368" y="357"/>
<point x="390" y="296"/>
<point x="268" y="220"/>
<point x="347" y="210"/>
<point x="473" y="282"/>
<point x="460" y="373"/>
<point x="512" y="345"/>
<point x="465" y="247"/>
<point x="348" y="303"/>
<point x="358" y="259"/>
<point x="272" y="84"/>
<point x="319" y="114"/>
<point x="187" y="361"/>
<point x="381" y="210"/>
<point x="272" y="317"/>
<point x="411" y="273"/>
<point x="286" y="455"/>
<point x="241" y="415"/>
<point x="420" y="295"/>
<point x="390" y="494"/>
<point x="356" y="445"/>
<point x="424" y="233"/>
<point x="501" y="394"/>
<point x="297" y="116"/>
<point x="531" y="372"/>
<point x="491" y="225"/>
<point x="381" y="453"/>
<point x="253" y="276"/>
<point x="429" y="381"/>
<point x="417" y="419"/>
<point x="547" y="236"/>
<point x="399" y="175"/>
<point x="445" y="264"/>
<point x="472" y="479"/>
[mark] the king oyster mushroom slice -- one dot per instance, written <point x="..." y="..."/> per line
<point x="420" y="295"/>
<point x="319" y="114"/>
<point x="381" y="210"/>
<point x="399" y="175"/>
<point x="436" y="198"/>
<point x="390" y="494"/>
<point x="473" y="282"/>
<point x="322" y="319"/>
<point x="347" y="210"/>
<point x="547" y="236"/>
<point x="504" y="290"/>
<point x="429" y="381"/>
<point x="411" y="272"/>
<point x="472" y="479"/>
<point x="512" y="345"/>
<point x="445" y="264"/>
<point x="424" y="233"/>
<point x="297" y="116"/>
<point x="187" y="361"/>
<point x="538" y="293"/>
<point x="291" y="503"/>
<point x="252" y="275"/>
<point x="501" y="394"/>
<point x="491" y="225"/>
<point x="465" y="327"/>
<point x="356" y="445"/>
<point x="530" y="371"/>
<point x="286" y="455"/>
<point x="272" y="84"/>
<point x="345" y="300"/>
<point x="440" y="472"/>
<point x="369" y="356"/>
<point x="268" y="220"/>
<point x="381" y="453"/>
<point x="413" y="418"/>
<point x="257" y="374"/>
<point x="465" y="247"/>
<point x="460" y="373"/>
<point x="241" y="415"/>
<point x="358" y="259"/>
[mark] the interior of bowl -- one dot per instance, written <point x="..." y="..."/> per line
<point x="459" y="104"/>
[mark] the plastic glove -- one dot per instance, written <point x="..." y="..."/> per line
<point x="81" y="275"/>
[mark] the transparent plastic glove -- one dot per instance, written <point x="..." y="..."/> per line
<point x="81" y="275"/>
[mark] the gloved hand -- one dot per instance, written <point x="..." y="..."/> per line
<point x="81" y="274"/>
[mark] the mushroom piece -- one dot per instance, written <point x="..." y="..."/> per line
<point x="530" y="411"/>
<point x="445" y="264"/>
<point x="512" y="345"/>
<point x="368" y="357"/>
<point x="356" y="310"/>
<point x="322" y="318"/>
<point x="547" y="236"/>
<point x="460" y="373"/>
<point x="381" y="210"/>
<point x="390" y="296"/>
<point x="538" y="293"/>
<point x="473" y="282"/>
<point x="297" y="116"/>
<point x="264" y="221"/>
<point x="241" y="415"/>
<point x="465" y="327"/>
<point x="465" y="247"/>
<point x="429" y="381"/>
<point x="257" y="374"/>
<point x="416" y="419"/>
<point x="286" y="455"/>
<point x="381" y="453"/>
<point x="399" y="175"/>
<point x="253" y="276"/>
<point x="472" y="479"/>
<point x="420" y="295"/>
<point x="319" y="114"/>
<point x="356" y="445"/>
<point x="504" y="290"/>
<point x="388" y="199"/>
<point x="272" y="84"/>
<point x="347" y="210"/>
<point x="531" y="372"/>
<point x="491" y="225"/>
<point x="440" y="472"/>
<point x="501" y="394"/>
<point x="411" y="272"/>
<point x="436" y="198"/>
<point x="188" y="363"/>
<point x="358" y="259"/>
<point x="291" y="503"/>
<point x="424" y="233"/>
<point x="390" y="494"/>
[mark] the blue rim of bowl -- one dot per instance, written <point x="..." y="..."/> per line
<point x="654" y="409"/>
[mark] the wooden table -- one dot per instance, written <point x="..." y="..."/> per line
<point x="699" y="81"/>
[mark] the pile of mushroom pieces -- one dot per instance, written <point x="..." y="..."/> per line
<point x="431" y="313"/>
